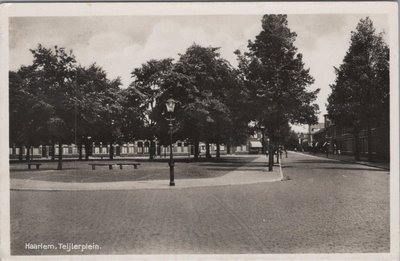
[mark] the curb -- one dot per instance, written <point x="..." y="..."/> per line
<point x="142" y="188"/>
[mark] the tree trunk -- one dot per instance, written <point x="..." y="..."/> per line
<point x="87" y="151"/>
<point x="80" y="150"/>
<point x="152" y="149"/>
<point x="20" y="154"/>
<point x="263" y="143"/>
<point x="208" y="154"/>
<point x="356" y="144"/>
<point x="228" y="148"/>
<point x="111" y="152"/>
<point x="53" y="151"/>
<point x="28" y="153"/>
<point x="60" y="154"/>
<point x="270" y="158"/>
<point x="196" y="150"/>
<point x="369" y="137"/>
<point x="277" y="154"/>
<point x="218" y="154"/>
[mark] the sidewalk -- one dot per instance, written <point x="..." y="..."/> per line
<point x="350" y="159"/>
<point x="246" y="174"/>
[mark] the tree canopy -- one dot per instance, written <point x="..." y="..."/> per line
<point x="275" y="78"/>
<point x="360" y="94"/>
<point x="361" y="89"/>
<point x="55" y="100"/>
<point x="216" y="102"/>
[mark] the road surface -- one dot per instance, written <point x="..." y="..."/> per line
<point x="324" y="206"/>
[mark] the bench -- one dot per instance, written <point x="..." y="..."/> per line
<point x="96" y="157"/>
<point x="128" y="164"/>
<point x="37" y="165"/>
<point x="101" y="164"/>
<point x="111" y="164"/>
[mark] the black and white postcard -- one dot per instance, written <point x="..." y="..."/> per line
<point x="199" y="130"/>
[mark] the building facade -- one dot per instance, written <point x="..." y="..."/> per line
<point x="341" y="140"/>
<point x="139" y="148"/>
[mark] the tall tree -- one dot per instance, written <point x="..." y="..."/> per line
<point x="276" y="80"/>
<point x="98" y="108"/>
<point x="54" y="80"/>
<point x="360" y="94"/>
<point x="144" y="90"/>
<point x="28" y="112"/>
<point x="202" y="95"/>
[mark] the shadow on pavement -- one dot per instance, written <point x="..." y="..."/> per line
<point x="319" y="161"/>
<point x="241" y="169"/>
<point x="80" y="171"/>
<point x="362" y="169"/>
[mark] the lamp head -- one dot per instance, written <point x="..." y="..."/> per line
<point x="170" y="104"/>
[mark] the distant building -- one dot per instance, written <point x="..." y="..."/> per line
<point x="306" y="139"/>
<point x="139" y="148"/>
<point x="340" y="140"/>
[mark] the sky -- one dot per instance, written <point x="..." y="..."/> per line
<point x="121" y="43"/>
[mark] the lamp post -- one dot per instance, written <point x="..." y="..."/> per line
<point x="270" y="155"/>
<point x="170" y="104"/>
<point x="326" y="135"/>
<point x="278" y="147"/>
<point x="262" y="127"/>
<point x="111" y="142"/>
<point x="327" y="144"/>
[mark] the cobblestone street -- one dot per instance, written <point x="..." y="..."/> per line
<point x="324" y="206"/>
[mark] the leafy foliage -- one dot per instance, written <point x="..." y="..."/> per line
<point x="360" y="94"/>
<point x="56" y="100"/>
<point x="275" y="77"/>
<point x="361" y="90"/>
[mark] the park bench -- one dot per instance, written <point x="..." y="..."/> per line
<point x="128" y="164"/>
<point x="111" y="164"/>
<point x="37" y="165"/>
<point x="96" y="157"/>
<point x="101" y="164"/>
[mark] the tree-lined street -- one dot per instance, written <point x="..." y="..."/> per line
<point x="324" y="206"/>
<point x="222" y="129"/>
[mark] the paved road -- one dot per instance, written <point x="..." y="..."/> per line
<point x="325" y="206"/>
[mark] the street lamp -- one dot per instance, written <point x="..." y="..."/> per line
<point x="262" y="127"/>
<point x="326" y="135"/>
<point x="170" y="104"/>
<point x="112" y="140"/>
<point x="327" y="144"/>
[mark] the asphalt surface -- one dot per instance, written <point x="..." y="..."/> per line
<point x="324" y="206"/>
